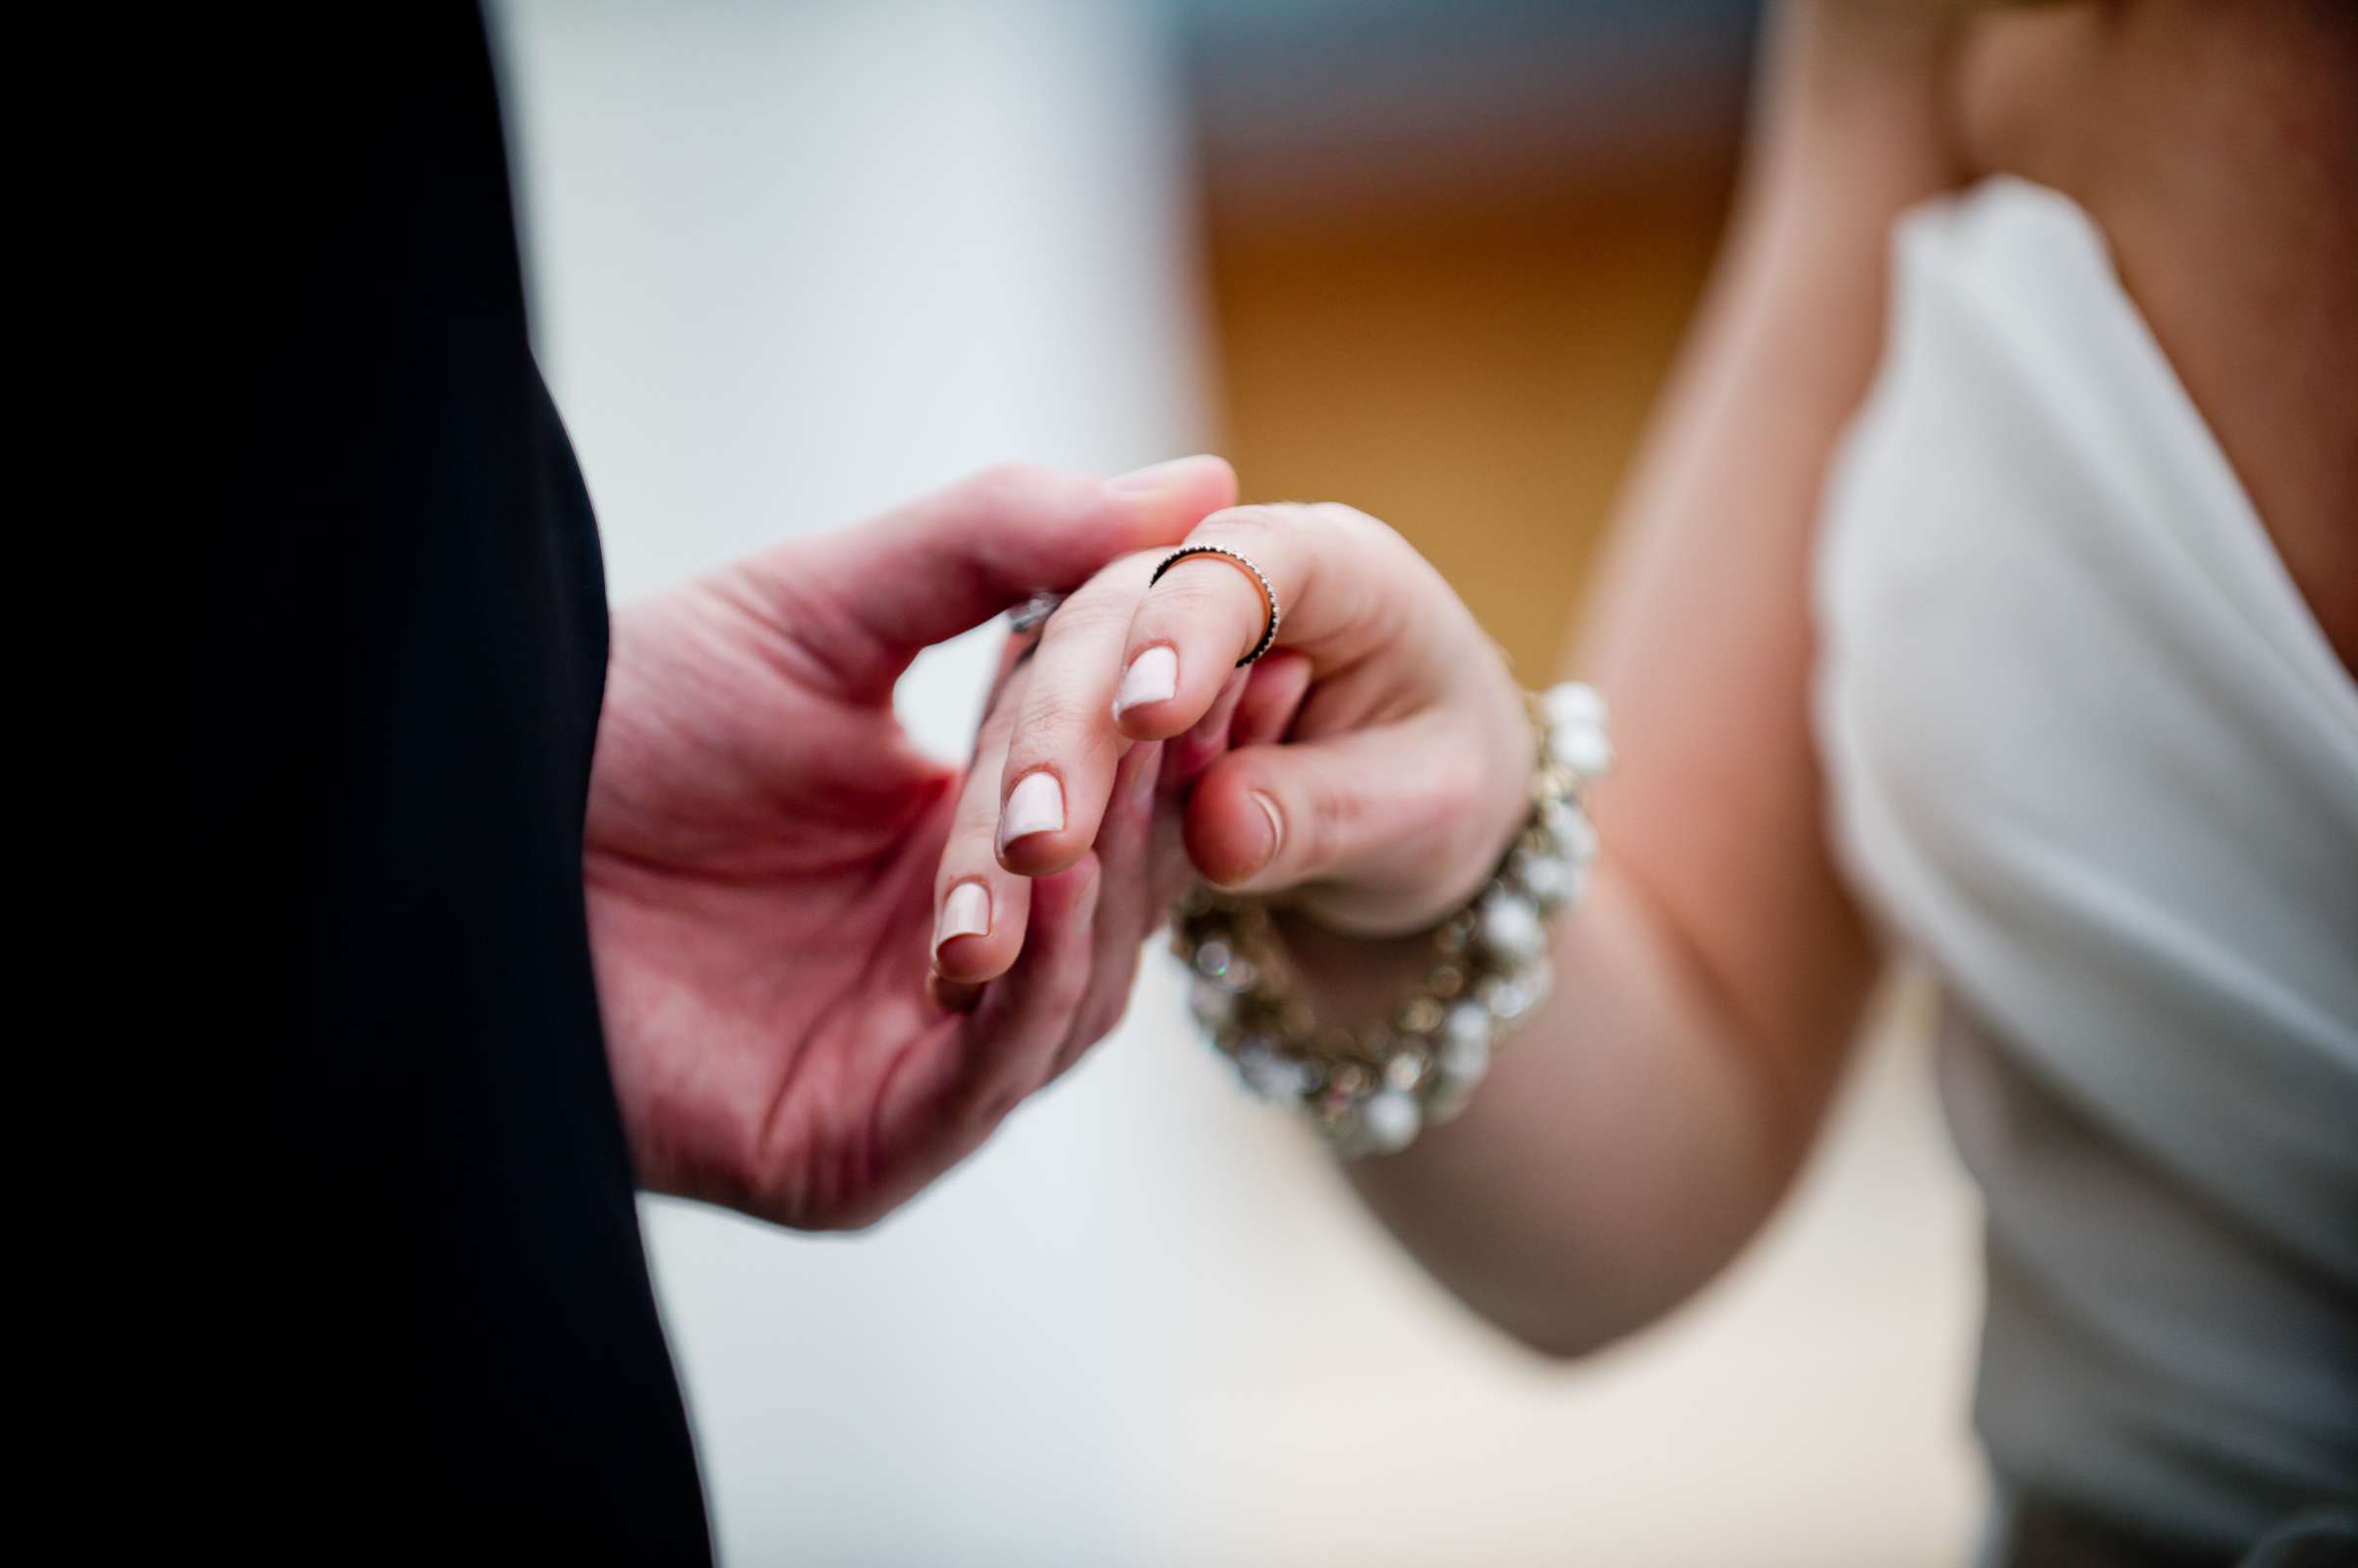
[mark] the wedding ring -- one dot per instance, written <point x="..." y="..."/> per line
<point x="1034" y="613"/>
<point x="1269" y="594"/>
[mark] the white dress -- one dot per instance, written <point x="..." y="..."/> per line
<point x="2092" y="759"/>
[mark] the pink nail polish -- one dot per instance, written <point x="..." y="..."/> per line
<point x="965" y="912"/>
<point x="1034" y="806"/>
<point x="1153" y="677"/>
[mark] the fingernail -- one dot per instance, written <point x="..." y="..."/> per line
<point x="1268" y="812"/>
<point x="1034" y="806"/>
<point x="1154" y="476"/>
<point x="1153" y="677"/>
<point x="965" y="912"/>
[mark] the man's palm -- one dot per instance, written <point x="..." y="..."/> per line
<point x="761" y="845"/>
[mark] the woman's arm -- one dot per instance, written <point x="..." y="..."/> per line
<point x="1641" y="1128"/>
<point x="1622" y="1153"/>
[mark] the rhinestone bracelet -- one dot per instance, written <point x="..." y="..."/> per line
<point x="1372" y="1090"/>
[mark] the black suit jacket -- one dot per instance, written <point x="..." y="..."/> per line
<point x="420" y="1325"/>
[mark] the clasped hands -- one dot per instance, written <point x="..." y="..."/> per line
<point x="830" y="964"/>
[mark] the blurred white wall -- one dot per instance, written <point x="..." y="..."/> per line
<point x="793" y="262"/>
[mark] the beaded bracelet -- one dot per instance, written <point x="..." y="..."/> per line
<point x="1372" y="1090"/>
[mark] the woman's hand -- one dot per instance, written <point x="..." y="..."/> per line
<point x="1408" y="763"/>
<point x="762" y="840"/>
<point x="986" y="910"/>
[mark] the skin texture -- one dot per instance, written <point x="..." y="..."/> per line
<point x="1394" y="664"/>
<point x="2218" y="148"/>
<point x="761" y="845"/>
<point x="1647" y="1121"/>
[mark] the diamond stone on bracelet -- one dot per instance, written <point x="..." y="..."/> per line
<point x="1371" y="1091"/>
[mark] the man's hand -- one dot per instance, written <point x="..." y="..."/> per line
<point x="764" y="840"/>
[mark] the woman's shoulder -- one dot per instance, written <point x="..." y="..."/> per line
<point x="2217" y="147"/>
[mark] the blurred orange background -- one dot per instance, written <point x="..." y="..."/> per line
<point x="1450" y="253"/>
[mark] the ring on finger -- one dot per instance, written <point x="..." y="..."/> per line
<point x="1269" y="594"/>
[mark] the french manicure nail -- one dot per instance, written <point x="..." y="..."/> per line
<point x="1154" y="476"/>
<point x="965" y="912"/>
<point x="1034" y="806"/>
<point x="1153" y="677"/>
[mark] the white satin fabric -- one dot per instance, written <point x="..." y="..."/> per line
<point x="2092" y="758"/>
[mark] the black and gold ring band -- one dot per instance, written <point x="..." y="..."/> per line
<point x="1269" y="594"/>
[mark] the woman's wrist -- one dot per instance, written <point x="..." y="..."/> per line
<point x="1417" y="1015"/>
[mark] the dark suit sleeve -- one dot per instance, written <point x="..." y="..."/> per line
<point x="426" y="1296"/>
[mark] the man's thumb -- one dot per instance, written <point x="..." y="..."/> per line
<point x="869" y="599"/>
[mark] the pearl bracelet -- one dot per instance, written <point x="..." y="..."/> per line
<point x="1372" y="1090"/>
